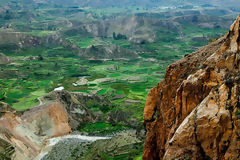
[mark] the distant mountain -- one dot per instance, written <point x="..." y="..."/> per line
<point x="145" y="3"/>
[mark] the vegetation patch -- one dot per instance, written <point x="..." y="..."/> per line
<point x="101" y="128"/>
<point x="237" y="113"/>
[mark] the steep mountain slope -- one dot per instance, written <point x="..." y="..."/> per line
<point x="194" y="112"/>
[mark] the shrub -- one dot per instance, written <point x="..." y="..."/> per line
<point x="237" y="113"/>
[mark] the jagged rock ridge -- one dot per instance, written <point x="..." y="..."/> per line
<point x="194" y="112"/>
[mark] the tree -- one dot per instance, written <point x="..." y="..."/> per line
<point x="119" y="36"/>
<point x="114" y="35"/>
<point x="40" y="57"/>
<point x="195" y="19"/>
<point x="7" y="15"/>
<point x="2" y="94"/>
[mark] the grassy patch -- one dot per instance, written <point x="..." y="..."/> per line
<point x="40" y="33"/>
<point x="101" y="128"/>
<point x="237" y="113"/>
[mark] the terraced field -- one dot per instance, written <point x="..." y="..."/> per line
<point x="38" y="70"/>
<point x="49" y="47"/>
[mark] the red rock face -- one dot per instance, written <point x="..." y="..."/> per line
<point x="49" y="120"/>
<point x="194" y="113"/>
<point x="28" y="132"/>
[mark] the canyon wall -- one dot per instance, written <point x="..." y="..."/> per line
<point x="194" y="112"/>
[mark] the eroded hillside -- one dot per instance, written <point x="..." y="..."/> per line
<point x="194" y="112"/>
<point x="60" y="128"/>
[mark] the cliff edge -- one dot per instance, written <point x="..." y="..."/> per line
<point x="194" y="112"/>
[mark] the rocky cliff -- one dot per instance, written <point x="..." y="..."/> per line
<point x="194" y="112"/>
<point x="27" y="131"/>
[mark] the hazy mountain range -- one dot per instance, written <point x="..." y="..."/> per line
<point x="144" y="3"/>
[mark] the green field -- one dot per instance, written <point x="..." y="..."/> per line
<point x="52" y="39"/>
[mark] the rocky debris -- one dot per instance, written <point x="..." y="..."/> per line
<point x="28" y="132"/>
<point x="4" y="59"/>
<point x="67" y="149"/>
<point x="71" y="146"/>
<point x="194" y="112"/>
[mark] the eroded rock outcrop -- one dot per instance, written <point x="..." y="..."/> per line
<point x="106" y="52"/>
<point x="78" y="106"/>
<point x="194" y="113"/>
<point x="27" y="132"/>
